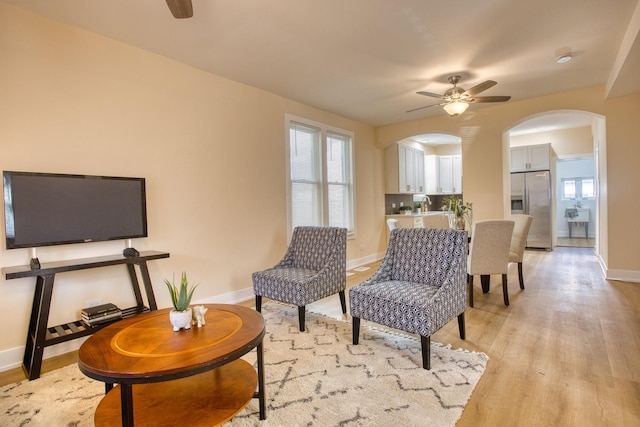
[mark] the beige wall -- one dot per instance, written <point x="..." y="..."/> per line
<point x="484" y="146"/>
<point x="212" y="151"/>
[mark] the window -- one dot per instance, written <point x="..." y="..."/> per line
<point x="578" y="188"/>
<point x="320" y="178"/>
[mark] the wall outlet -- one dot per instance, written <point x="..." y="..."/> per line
<point x="92" y="302"/>
<point x="393" y="205"/>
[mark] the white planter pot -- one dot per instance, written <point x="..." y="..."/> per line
<point x="180" y="319"/>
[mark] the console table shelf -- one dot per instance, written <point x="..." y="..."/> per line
<point x="40" y="335"/>
<point x="72" y="330"/>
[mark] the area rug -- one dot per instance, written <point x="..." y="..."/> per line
<point x="313" y="378"/>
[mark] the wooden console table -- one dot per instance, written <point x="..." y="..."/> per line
<point x="40" y="335"/>
<point x="188" y="377"/>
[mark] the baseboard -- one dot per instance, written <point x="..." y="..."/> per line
<point x="364" y="260"/>
<point x="12" y="358"/>
<point x="565" y="234"/>
<point x="623" y="275"/>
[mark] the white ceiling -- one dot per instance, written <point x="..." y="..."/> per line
<point x="365" y="59"/>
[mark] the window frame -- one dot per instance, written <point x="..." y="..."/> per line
<point x="579" y="195"/>
<point x="349" y="164"/>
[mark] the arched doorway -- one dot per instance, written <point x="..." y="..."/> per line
<point x="577" y="140"/>
<point x="442" y="166"/>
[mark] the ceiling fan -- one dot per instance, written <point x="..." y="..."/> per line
<point x="180" y="8"/>
<point x="457" y="99"/>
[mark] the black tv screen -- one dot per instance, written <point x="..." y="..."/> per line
<point x="43" y="209"/>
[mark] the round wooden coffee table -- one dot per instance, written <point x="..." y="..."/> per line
<point x="145" y="351"/>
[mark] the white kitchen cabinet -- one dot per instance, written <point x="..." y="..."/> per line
<point x="404" y="169"/>
<point x="449" y="174"/>
<point x="457" y="174"/>
<point x="420" y="177"/>
<point x="445" y="174"/>
<point x="431" y="174"/>
<point x="531" y="158"/>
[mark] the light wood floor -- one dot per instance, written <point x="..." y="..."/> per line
<point x="576" y="242"/>
<point x="566" y="352"/>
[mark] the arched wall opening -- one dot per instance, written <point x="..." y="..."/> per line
<point x="573" y="134"/>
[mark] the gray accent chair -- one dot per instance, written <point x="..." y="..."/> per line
<point x="419" y="287"/>
<point x="314" y="267"/>
<point x="522" y="224"/>
<point x="489" y="253"/>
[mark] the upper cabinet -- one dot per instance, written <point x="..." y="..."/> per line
<point x="443" y="174"/>
<point x="404" y="169"/>
<point x="531" y="158"/>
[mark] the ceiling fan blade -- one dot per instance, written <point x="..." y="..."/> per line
<point x="180" y="8"/>
<point x="490" y="99"/>
<point x="480" y="88"/>
<point x="431" y="94"/>
<point x="426" y="106"/>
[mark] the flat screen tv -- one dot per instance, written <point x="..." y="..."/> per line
<point x="43" y="209"/>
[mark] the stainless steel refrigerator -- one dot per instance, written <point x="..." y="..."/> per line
<point x="531" y="195"/>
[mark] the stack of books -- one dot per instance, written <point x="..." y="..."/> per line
<point x="100" y="314"/>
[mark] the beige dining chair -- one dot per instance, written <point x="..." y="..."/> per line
<point x="393" y="224"/>
<point x="519" y="241"/>
<point x="436" y="221"/>
<point x="489" y="253"/>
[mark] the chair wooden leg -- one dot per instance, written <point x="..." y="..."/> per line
<point x="470" y="282"/>
<point x="520" y="276"/>
<point x="356" y="330"/>
<point x="505" y="291"/>
<point x="426" y="352"/>
<point x="301" y="317"/>
<point x="485" y="279"/>
<point x="461" y="326"/>
<point x="343" y="302"/>
<point x="259" y="303"/>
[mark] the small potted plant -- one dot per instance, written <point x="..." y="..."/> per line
<point x="406" y="210"/>
<point x="418" y="207"/>
<point x="180" y="316"/>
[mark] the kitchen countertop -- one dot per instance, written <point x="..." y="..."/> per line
<point x="421" y="214"/>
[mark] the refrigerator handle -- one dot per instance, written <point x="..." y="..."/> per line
<point x="526" y="201"/>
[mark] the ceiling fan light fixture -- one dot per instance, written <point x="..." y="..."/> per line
<point x="455" y="108"/>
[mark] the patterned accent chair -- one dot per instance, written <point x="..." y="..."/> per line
<point x="419" y="287"/>
<point x="314" y="267"/>
<point x="489" y="254"/>
<point x="519" y="241"/>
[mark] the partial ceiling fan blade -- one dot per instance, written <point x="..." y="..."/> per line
<point x="180" y="9"/>
<point x="490" y="99"/>
<point x="480" y="88"/>
<point x="431" y="94"/>
<point x="426" y="106"/>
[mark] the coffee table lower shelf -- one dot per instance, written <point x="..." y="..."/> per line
<point x="210" y="398"/>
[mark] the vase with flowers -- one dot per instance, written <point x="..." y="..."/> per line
<point x="459" y="213"/>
